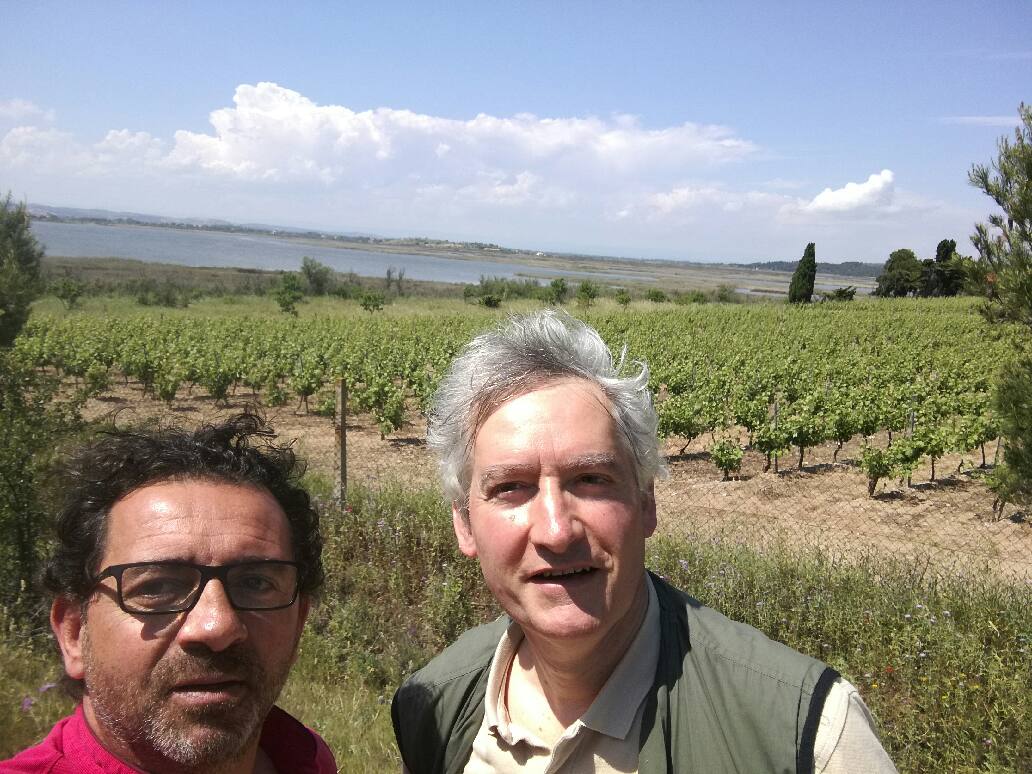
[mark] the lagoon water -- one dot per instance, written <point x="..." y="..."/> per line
<point x="255" y="251"/>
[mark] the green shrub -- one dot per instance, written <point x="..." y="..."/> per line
<point x="587" y="292"/>
<point x="372" y="301"/>
<point x="69" y="291"/>
<point x="656" y="296"/>
<point x="289" y="293"/>
<point x="725" y="294"/>
<point x="557" y="291"/>
<point x="726" y="454"/>
<point x="692" y="297"/>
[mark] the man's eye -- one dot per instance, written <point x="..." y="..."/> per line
<point x="253" y="583"/>
<point x="160" y="588"/>
<point x="594" y="478"/>
<point x="504" y="488"/>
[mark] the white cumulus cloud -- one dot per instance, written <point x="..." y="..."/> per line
<point x="876" y="191"/>
<point x="276" y="142"/>
<point x="22" y="110"/>
<point x="275" y="134"/>
<point x="688" y="201"/>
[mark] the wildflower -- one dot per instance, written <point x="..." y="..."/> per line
<point x="906" y="616"/>
<point x="946" y="613"/>
<point x="683" y="563"/>
<point x="874" y="685"/>
<point x="46" y="687"/>
<point x="26" y="703"/>
<point x="889" y="670"/>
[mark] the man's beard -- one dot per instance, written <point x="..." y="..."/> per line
<point x="146" y="719"/>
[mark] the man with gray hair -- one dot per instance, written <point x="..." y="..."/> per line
<point x="548" y="455"/>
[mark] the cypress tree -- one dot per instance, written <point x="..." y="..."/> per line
<point x="801" y="289"/>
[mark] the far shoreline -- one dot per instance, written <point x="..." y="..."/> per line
<point x="663" y="273"/>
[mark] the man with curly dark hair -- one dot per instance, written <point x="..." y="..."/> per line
<point x="183" y="573"/>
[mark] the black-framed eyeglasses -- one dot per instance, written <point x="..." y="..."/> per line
<point x="150" y="588"/>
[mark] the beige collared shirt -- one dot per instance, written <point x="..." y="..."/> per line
<point x="605" y="738"/>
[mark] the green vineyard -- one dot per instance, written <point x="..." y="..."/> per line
<point x="773" y="378"/>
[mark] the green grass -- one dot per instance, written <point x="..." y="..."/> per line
<point x="945" y="665"/>
<point x="28" y="705"/>
<point x="352" y="716"/>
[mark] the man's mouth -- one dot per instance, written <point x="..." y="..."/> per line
<point x="561" y="574"/>
<point x="210" y="689"/>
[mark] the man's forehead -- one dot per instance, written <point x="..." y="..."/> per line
<point x="180" y="516"/>
<point x="570" y="388"/>
<point x="573" y="417"/>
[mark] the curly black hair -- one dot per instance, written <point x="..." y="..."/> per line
<point x="239" y="450"/>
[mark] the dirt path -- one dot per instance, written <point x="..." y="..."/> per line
<point x="948" y="522"/>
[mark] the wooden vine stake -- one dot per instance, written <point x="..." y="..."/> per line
<point x="340" y="426"/>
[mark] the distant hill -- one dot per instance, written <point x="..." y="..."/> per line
<point x="47" y="212"/>
<point x="78" y="215"/>
<point x="844" y="269"/>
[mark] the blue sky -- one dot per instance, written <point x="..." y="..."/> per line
<point x="734" y="131"/>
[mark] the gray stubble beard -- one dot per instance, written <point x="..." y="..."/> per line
<point x="146" y="722"/>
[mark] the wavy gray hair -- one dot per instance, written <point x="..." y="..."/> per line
<point x="519" y="356"/>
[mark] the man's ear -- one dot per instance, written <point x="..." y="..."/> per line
<point x="463" y="533"/>
<point x="66" y="621"/>
<point x="649" y="519"/>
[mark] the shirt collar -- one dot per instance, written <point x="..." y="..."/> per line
<point x="289" y="745"/>
<point x="613" y="711"/>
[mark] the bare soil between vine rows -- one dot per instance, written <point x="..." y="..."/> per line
<point x="948" y="523"/>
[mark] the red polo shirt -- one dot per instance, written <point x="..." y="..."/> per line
<point x="71" y="748"/>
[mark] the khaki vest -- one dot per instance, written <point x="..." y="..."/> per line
<point x="725" y="699"/>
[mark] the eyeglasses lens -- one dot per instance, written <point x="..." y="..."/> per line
<point x="153" y="588"/>
<point x="169" y="588"/>
<point x="262" y="586"/>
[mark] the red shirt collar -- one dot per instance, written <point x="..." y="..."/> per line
<point x="72" y="748"/>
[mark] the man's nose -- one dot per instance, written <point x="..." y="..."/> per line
<point x="553" y="519"/>
<point x="213" y="622"/>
